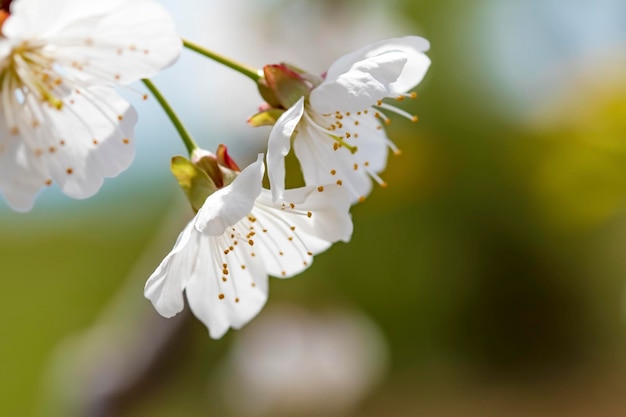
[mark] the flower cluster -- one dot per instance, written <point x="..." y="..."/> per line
<point x="61" y="121"/>
<point x="240" y="236"/>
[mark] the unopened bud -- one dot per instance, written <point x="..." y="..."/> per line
<point x="207" y="162"/>
<point x="284" y="85"/>
<point x="204" y="174"/>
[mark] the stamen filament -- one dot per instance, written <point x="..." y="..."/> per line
<point x="401" y="96"/>
<point x="33" y="84"/>
<point x="398" y="111"/>
<point x="393" y="147"/>
<point x="376" y="178"/>
<point x="343" y="143"/>
<point x="336" y="138"/>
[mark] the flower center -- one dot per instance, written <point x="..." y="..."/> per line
<point x="29" y="71"/>
<point x="345" y="126"/>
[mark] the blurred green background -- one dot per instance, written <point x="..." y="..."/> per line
<point x="492" y="266"/>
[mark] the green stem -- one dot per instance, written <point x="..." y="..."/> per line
<point x="251" y="73"/>
<point x="190" y="144"/>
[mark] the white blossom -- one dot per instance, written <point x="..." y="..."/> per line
<point x="60" y="118"/>
<point x="338" y="128"/>
<point x="224" y="255"/>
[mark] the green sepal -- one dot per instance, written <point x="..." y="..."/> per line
<point x="210" y="166"/>
<point x="267" y="93"/>
<point x="195" y="183"/>
<point x="265" y="118"/>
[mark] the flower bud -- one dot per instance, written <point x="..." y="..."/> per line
<point x="204" y="174"/>
<point x="283" y="86"/>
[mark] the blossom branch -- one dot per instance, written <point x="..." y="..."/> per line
<point x="190" y="144"/>
<point x="254" y="74"/>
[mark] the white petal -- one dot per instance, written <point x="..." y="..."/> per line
<point x="360" y="86"/>
<point x="166" y="284"/>
<point x="416" y="67"/>
<point x="287" y="235"/>
<point x="413" y="72"/>
<point x="42" y="18"/>
<point x="278" y="147"/>
<point x="117" y="40"/>
<point x="6" y="45"/>
<point x="230" y="204"/>
<point x="20" y="182"/>
<point x="371" y="140"/>
<point x="93" y="138"/>
<point x="330" y="218"/>
<point x="222" y="301"/>
<point x="322" y="164"/>
<point x="87" y="140"/>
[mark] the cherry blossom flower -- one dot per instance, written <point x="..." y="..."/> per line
<point x="224" y="255"/>
<point x="60" y="118"/>
<point x="338" y="119"/>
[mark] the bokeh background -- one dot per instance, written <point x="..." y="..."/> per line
<point x="486" y="280"/>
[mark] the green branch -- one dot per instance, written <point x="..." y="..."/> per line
<point x="251" y="73"/>
<point x="190" y="144"/>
